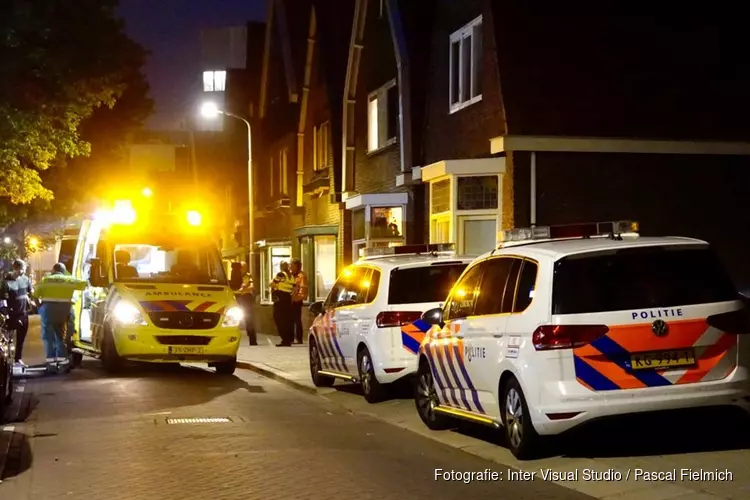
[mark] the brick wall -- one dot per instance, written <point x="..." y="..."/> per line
<point x="465" y="133"/>
<point x="695" y="196"/>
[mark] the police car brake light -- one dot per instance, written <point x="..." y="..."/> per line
<point x="408" y="250"/>
<point x="552" y="337"/>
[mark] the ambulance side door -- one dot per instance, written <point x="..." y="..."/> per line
<point x="100" y="299"/>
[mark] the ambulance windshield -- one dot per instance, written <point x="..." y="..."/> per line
<point x="195" y="265"/>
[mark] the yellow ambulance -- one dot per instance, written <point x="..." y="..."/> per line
<point x="158" y="291"/>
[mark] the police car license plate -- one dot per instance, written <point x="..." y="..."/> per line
<point x="186" y="350"/>
<point x="662" y="359"/>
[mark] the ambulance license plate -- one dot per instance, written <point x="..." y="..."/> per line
<point x="186" y="350"/>
<point x="662" y="359"/>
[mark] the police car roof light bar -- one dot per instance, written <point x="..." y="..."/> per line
<point x="409" y="250"/>
<point x="570" y="231"/>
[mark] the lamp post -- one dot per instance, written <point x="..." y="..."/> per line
<point x="211" y="110"/>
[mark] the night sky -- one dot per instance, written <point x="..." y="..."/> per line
<point x="170" y="29"/>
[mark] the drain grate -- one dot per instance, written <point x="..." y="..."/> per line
<point x="212" y="420"/>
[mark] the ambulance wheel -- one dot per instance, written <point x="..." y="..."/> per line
<point x="372" y="390"/>
<point x="111" y="361"/>
<point x="316" y="365"/>
<point x="426" y="399"/>
<point x="226" y="367"/>
<point x="522" y="439"/>
<point x="76" y="358"/>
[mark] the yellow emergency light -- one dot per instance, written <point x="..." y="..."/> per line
<point x="194" y="218"/>
<point x="147" y="193"/>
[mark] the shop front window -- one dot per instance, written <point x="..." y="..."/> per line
<point x="325" y="265"/>
<point x="387" y="222"/>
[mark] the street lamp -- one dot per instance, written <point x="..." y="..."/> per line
<point x="211" y="110"/>
<point x="7" y="240"/>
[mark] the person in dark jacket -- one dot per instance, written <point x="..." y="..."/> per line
<point x="15" y="292"/>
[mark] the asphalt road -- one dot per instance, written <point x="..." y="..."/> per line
<point x="89" y="435"/>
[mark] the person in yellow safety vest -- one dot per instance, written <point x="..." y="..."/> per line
<point x="56" y="312"/>
<point x="282" y="287"/>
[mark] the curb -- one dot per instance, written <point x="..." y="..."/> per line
<point x="276" y="375"/>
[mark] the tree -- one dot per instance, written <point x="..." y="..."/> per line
<point x="70" y="86"/>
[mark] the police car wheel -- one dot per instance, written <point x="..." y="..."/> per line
<point x="316" y="365"/>
<point x="521" y="437"/>
<point x="426" y="399"/>
<point x="372" y="390"/>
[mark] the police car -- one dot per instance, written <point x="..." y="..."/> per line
<point x="562" y="325"/>
<point x="357" y="336"/>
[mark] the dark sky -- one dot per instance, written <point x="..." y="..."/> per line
<point x="170" y="29"/>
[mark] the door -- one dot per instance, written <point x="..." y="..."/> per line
<point x="96" y="299"/>
<point x="446" y="353"/>
<point x="477" y="235"/>
<point x="338" y="342"/>
<point x="485" y="341"/>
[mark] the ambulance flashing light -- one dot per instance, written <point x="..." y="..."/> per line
<point x="569" y="231"/>
<point x="418" y="249"/>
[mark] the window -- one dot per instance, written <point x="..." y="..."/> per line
<point x="526" y="286"/>
<point x="214" y="81"/>
<point x="441" y="196"/>
<point x="639" y="278"/>
<point x="325" y="265"/>
<point x="348" y="288"/>
<point x="509" y="294"/>
<point x="283" y="172"/>
<point x="477" y="192"/>
<point x="464" y="295"/>
<point x="382" y="117"/>
<point x="322" y="147"/>
<point x="371" y="283"/>
<point x="274" y="256"/>
<point x="490" y="300"/>
<point x="168" y="263"/>
<point x="435" y="283"/>
<point x="386" y="222"/>
<point x="466" y="65"/>
<point x="273" y="176"/>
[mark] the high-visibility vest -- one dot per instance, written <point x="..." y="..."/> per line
<point x="59" y="288"/>
<point x="285" y="284"/>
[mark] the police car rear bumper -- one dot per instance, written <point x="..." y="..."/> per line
<point x="567" y="412"/>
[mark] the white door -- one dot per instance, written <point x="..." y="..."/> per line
<point x="477" y="235"/>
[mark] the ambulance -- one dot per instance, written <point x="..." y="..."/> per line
<point x="157" y="289"/>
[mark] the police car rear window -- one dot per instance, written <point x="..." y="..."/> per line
<point x="639" y="278"/>
<point x="423" y="284"/>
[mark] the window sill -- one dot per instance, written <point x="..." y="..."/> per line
<point x="458" y="107"/>
<point x="388" y="145"/>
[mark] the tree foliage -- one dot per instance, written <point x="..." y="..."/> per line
<point x="71" y="92"/>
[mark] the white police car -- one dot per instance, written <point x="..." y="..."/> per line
<point x="552" y="330"/>
<point x="357" y="335"/>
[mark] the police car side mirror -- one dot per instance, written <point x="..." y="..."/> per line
<point x="317" y="308"/>
<point x="434" y="317"/>
<point x="95" y="274"/>
<point x="235" y="280"/>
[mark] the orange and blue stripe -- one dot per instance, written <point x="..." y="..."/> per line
<point x="413" y="334"/>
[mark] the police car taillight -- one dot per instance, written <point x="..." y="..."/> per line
<point x="549" y="337"/>
<point x="736" y="322"/>
<point x="396" y="318"/>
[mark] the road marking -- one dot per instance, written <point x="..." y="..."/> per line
<point x="9" y="428"/>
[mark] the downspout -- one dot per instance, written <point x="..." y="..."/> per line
<point x="303" y="108"/>
<point x="402" y="67"/>
<point x="533" y="189"/>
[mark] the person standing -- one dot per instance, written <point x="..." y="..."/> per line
<point x="282" y="287"/>
<point x="298" y="298"/>
<point x="56" y="293"/>
<point x="14" y="300"/>
<point x="246" y="300"/>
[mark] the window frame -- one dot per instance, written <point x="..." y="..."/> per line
<point x="217" y="84"/>
<point x="460" y="36"/>
<point x="322" y="147"/>
<point x="381" y="94"/>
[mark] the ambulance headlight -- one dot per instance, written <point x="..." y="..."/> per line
<point x="233" y="316"/>
<point x="127" y="314"/>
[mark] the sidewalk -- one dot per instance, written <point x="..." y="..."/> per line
<point x="288" y="365"/>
